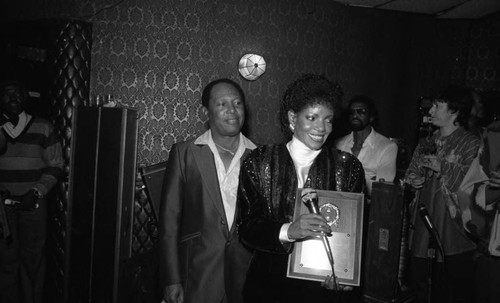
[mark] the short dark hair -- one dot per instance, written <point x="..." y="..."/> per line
<point x="459" y="100"/>
<point x="205" y="96"/>
<point x="369" y="103"/>
<point x="308" y="90"/>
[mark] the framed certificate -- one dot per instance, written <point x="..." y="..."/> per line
<point x="309" y="259"/>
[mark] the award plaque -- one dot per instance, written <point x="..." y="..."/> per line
<point x="309" y="259"/>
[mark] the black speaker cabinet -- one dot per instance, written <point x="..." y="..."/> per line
<point x="101" y="202"/>
<point x="385" y="246"/>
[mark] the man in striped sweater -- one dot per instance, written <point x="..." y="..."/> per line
<point x="30" y="165"/>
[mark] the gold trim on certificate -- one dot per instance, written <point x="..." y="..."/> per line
<point x="344" y="213"/>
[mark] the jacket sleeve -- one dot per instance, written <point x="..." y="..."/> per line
<point x="170" y="220"/>
<point x="358" y="181"/>
<point x="258" y="227"/>
<point x="53" y="160"/>
<point x="415" y="166"/>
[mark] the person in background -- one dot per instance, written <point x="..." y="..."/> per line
<point x="201" y="259"/>
<point x="479" y="198"/>
<point x="30" y="165"/>
<point x="269" y="179"/>
<point x="477" y="121"/>
<point x="377" y="153"/>
<point x="436" y="178"/>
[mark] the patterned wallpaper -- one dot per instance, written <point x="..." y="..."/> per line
<point x="158" y="58"/>
<point x="483" y="68"/>
<point x="157" y="55"/>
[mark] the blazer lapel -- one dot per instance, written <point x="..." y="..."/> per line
<point x="205" y="162"/>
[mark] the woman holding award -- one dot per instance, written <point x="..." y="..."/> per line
<point x="269" y="179"/>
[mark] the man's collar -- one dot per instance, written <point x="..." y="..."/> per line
<point x="15" y="130"/>
<point x="369" y="139"/>
<point x="206" y="138"/>
<point x="12" y="119"/>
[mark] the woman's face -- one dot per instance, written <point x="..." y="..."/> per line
<point x="312" y="125"/>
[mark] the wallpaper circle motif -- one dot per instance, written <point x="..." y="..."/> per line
<point x="158" y="55"/>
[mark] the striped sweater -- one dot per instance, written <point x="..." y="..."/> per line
<point x="32" y="160"/>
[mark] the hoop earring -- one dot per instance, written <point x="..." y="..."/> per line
<point x="292" y="128"/>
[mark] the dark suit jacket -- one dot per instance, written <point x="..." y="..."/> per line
<point x="196" y="247"/>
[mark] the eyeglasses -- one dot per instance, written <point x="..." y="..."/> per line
<point x="359" y="111"/>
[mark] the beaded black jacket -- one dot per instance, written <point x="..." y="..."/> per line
<point x="268" y="185"/>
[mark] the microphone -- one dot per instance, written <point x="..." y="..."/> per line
<point x="424" y="215"/>
<point x="312" y="204"/>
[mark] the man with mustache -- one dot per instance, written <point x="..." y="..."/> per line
<point x="376" y="152"/>
<point x="201" y="258"/>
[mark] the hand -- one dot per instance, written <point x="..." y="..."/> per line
<point x="332" y="283"/>
<point x="308" y="225"/>
<point x="173" y="293"/>
<point x="308" y="193"/>
<point x="432" y="162"/>
<point x="495" y="180"/>
<point x="29" y="201"/>
<point x="415" y="181"/>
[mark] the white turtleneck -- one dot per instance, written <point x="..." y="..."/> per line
<point x="303" y="157"/>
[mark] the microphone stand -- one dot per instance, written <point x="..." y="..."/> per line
<point x="4" y="223"/>
<point x="312" y="205"/>
<point x="434" y="244"/>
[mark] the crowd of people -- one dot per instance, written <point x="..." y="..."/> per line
<point x="227" y="222"/>
<point x="240" y="236"/>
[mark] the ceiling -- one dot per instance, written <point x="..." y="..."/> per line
<point x="445" y="9"/>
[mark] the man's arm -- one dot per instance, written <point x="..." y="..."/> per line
<point x="3" y="142"/>
<point x="169" y="226"/>
<point x="387" y="166"/>
<point x="493" y="190"/>
<point x="52" y="157"/>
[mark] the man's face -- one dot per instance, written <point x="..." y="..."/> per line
<point x="12" y="100"/>
<point x="359" y="116"/>
<point x="441" y="115"/>
<point x="226" y="110"/>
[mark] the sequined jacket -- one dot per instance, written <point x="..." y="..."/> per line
<point x="267" y="189"/>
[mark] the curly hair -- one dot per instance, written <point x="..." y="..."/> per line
<point x="308" y="90"/>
